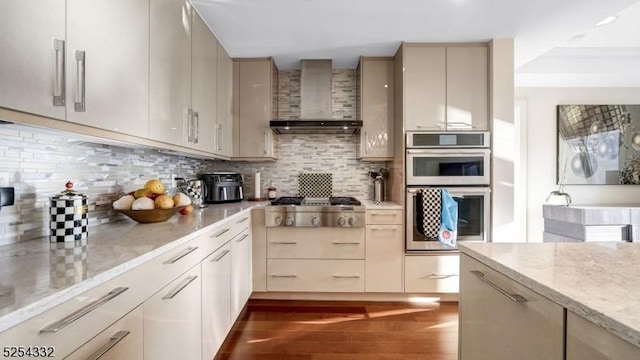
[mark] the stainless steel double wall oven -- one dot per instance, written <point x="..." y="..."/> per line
<point x="459" y="162"/>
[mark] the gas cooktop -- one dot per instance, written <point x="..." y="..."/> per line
<point x="306" y="201"/>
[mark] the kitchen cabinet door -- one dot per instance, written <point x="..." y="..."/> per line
<point x="224" y="125"/>
<point x="204" y="66"/>
<point x="425" y="88"/>
<point x="170" y="72"/>
<point x="173" y="319"/>
<point x="32" y="37"/>
<point x="467" y="88"/>
<point x="241" y="280"/>
<point x="503" y="320"/>
<point x="376" y="108"/>
<point x="257" y="80"/>
<point x="122" y="340"/>
<point x="588" y="341"/>
<point x="216" y="300"/>
<point x="383" y="260"/>
<point x="107" y="65"/>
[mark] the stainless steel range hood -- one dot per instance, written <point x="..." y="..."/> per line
<point x="315" y="104"/>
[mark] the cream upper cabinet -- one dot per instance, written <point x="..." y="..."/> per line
<point x="170" y="72"/>
<point x="446" y="87"/>
<point x="588" y="341"/>
<point x="425" y="87"/>
<point x="467" y="88"/>
<point x="32" y="44"/>
<point x="224" y="123"/>
<point x="173" y="319"/>
<point x="107" y="65"/>
<point x="375" y="108"/>
<point x="257" y="81"/>
<point x="502" y="320"/>
<point x="204" y="85"/>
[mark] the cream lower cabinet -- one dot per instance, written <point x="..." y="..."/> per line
<point x="503" y="320"/>
<point x="384" y="251"/>
<point x="216" y="300"/>
<point x="172" y="319"/>
<point x="587" y="341"/>
<point x="315" y="275"/>
<point x="431" y="273"/>
<point x="122" y="340"/>
<point x="241" y="281"/>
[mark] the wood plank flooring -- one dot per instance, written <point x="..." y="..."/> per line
<point x="330" y="330"/>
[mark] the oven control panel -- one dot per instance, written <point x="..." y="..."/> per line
<point x="347" y="218"/>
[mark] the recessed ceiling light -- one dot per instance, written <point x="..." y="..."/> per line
<point x="286" y="128"/>
<point x="607" y="20"/>
<point x="345" y="127"/>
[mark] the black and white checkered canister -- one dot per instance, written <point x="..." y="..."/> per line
<point x="69" y="219"/>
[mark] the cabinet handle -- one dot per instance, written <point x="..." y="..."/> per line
<point x="184" y="253"/>
<point x="113" y="341"/>
<point x="346" y="276"/>
<point x="220" y="233"/>
<point x="220" y="137"/>
<point x="62" y="323"/>
<point x="284" y="276"/>
<point x="378" y="214"/>
<point x="189" y="125"/>
<point x="346" y="243"/>
<point x="196" y="127"/>
<point x="180" y="287"/>
<point x="242" y="238"/>
<point x="512" y="297"/>
<point x="440" y="276"/>
<point x="242" y="220"/>
<point x="219" y="257"/>
<point x="59" y="79"/>
<point x="80" y="104"/>
<point x="266" y="140"/>
<point x="382" y="229"/>
<point x="366" y="142"/>
<point x="284" y="242"/>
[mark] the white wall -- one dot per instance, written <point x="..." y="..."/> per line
<point x="541" y="150"/>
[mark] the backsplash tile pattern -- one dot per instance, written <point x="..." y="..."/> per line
<point x="38" y="162"/>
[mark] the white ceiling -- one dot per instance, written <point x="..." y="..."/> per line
<point x="342" y="30"/>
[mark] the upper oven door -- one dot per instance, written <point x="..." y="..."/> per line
<point x="448" y="166"/>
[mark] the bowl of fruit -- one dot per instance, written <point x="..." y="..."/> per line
<point x="150" y="204"/>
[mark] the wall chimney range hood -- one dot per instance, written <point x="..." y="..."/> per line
<point x="315" y="104"/>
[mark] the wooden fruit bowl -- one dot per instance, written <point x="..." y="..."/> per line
<point x="151" y="216"/>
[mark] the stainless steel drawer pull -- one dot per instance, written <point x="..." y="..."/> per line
<point x="378" y="214"/>
<point x="440" y="276"/>
<point x="190" y="125"/>
<point x="242" y="220"/>
<point x="113" y="341"/>
<point x="179" y="288"/>
<point x="59" y="80"/>
<point x="184" y="253"/>
<point x="383" y="229"/>
<point x="61" y="324"/>
<point x="220" y="233"/>
<point x="346" y="243"/>
<point x="346" y="276"/>
<point x="220" y="137"/>
<point x="512" y="297"/>
<point x="80" y="103"/>
<point x="284" y="242"/>
<point x="284" y="276"/>
<point x="196" y="126"/>
<point x="219" y="257"/>
<point x="242" y="238"/>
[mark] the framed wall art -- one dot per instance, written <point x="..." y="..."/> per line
<point x="598" y="144"/>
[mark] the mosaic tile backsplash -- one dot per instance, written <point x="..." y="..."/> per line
<point x="39" y="162"/>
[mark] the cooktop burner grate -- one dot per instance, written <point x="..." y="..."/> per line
<point x="336" y="200"/>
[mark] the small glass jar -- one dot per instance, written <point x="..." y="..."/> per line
<point x="271" y="193"/>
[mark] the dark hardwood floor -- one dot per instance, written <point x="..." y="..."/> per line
<point x="330" y="330"/>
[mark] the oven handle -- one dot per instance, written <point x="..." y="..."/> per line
<point x="449" y="151"/>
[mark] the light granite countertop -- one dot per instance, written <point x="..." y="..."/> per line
<point x="37" y="275"/>
<point x="597" y="280"/>
<point x="385" y="205"/>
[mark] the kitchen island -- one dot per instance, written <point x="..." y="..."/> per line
<point x="550" y="292"/>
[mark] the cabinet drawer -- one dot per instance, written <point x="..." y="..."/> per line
<point x="384" y="217"/>
<point x="432" y="273"/>
<point x="222" y="233"/>
<point x="74" y="322"/>
<point x="315" y="275"/>
<point x="313" y="243"/>
<point x="587" y="341"/>
<point x="122" y="340"/>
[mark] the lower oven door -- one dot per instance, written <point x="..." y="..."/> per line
<point x="473" y="218"/>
